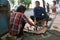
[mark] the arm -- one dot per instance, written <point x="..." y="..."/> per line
<point x="35" y="16"/>
<point x="35" y="20"/>
<point x="28" y="21"/>
<point x="45" y="18"/>
<point x="45" y="14"/>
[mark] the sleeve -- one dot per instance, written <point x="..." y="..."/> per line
<point x="45" y="15"/>
<point x="34" y="13"/>
<point x="44" y="12"/>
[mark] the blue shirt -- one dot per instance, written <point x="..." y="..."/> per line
<point x="39" y="11"/>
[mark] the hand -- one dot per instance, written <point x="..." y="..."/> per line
<point x="35" y="25"/>
<point x="35" y="22"/>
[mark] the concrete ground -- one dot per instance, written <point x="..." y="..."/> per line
<point x="52" y="34"/>
<point x="56" y="23"/>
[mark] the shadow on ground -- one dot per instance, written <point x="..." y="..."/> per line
<point x="49" y="35"/>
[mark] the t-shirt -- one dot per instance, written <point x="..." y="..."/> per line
<point x="38" y="12"/>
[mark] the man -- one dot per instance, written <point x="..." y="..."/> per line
<point x="40" y="14"/>
<point x="16" y="22"/>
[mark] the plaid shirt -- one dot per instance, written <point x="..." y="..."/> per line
<point x="15" y="23"/>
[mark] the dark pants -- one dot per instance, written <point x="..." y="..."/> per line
<point x="43" y="18"/>
<point x="40" y="20"/>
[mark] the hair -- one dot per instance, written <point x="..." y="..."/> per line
<point x="37" y="2"/>
<point x="21" y="8"/>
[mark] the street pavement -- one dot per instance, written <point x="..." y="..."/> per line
<point x="56" y="23"/>
<point x="50" y="34"/>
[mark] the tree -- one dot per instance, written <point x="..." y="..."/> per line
<point x="43" y="3"/>
<point x="12" y="1"/>
<point x="22" y="1"/>
<point x="26" y="2"/>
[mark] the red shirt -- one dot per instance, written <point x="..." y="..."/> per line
<point x="54" y="10"/>
<point x="15" y="23"/>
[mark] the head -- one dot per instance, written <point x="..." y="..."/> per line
<point x="37" y="3"/>
<point x="21" y="8"/>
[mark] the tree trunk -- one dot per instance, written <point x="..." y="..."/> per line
<point x="43" y="3"/>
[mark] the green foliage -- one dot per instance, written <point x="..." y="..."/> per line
<point x="12" y="1"/>
<point x="26" y="2"/>
<point x="22" y="1"/>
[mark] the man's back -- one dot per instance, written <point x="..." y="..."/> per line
<point x="15" y="23"/>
